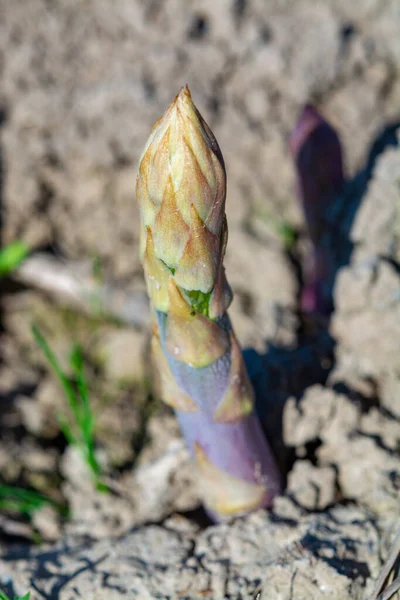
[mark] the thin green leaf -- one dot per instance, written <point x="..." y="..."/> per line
<point x="17" y="506"/>
<point x="21" y="493"/>
<point x="102" y="487"/>
<point x="25" y="501"/>
<point x="11" y="256"/>
<point x="86" y="420"/>
<point x="86" y="416"/>
<point x="55" y="365"/>
<point x="287" y="234"/>
<point x="81" y="434"/>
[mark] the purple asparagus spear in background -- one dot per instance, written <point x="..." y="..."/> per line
<point x="317" y="153"/>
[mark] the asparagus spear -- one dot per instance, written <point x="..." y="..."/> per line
<point x="317" y="153"/>
<point x="181" y="189"/>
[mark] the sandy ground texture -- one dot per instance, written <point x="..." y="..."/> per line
<point x="82" y="82"/>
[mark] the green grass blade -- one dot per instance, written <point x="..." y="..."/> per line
<point x="11" y="256"/>
<point x="26" y="501"/>
<point x="4" y="597"/>
<point x="17" y="506"/>
<point x="17" y="500"/>
<point x="81" y="433"/>
<point x="61" y="376"/>
<point x="86" y="416"/>
<point x="21" y="494"/>
<point x="87" y="420"/>
<point x="287" y="234"/>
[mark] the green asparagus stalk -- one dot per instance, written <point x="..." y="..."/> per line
<point x="181" y="189"/>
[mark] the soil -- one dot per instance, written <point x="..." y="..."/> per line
<point x="82" y="82"/>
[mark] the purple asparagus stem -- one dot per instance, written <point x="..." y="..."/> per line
<point x="317" y="152"/>
<point x="181" y="189"/>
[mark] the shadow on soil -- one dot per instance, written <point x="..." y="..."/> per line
<point x="284" y="372"/>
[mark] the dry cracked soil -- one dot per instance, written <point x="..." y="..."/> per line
<point x="81" y="83"/>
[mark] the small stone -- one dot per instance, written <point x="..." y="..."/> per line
<point x="47" y="524"/>
<point x="304" y="421"/>
<point x="312" y="487"/>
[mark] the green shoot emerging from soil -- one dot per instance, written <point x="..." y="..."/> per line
<point x="11" y="256"/>
<point x="26" y="502"/>
<point x="287" y="234"/>
<point x="3" y="596"/>
<point x="79" y="428"/>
